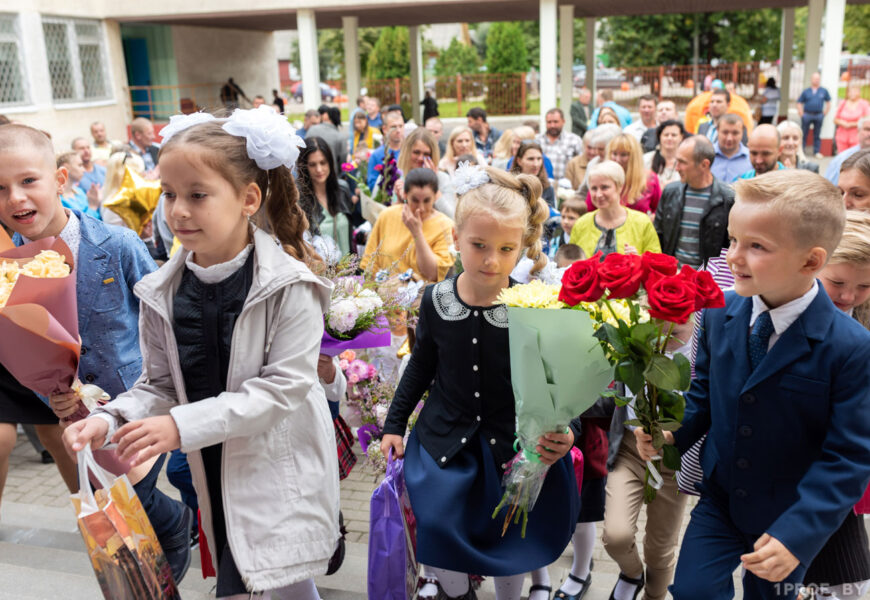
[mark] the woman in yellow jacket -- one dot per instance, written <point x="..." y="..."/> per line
<point x="612" y="227"/>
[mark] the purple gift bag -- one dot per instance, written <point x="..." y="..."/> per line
<point x="392" y="538"/>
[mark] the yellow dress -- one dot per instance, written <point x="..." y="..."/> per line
<point x="391" y="241"/>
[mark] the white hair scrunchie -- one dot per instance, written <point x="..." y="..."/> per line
<point x="270" y="139"/>
<point x="466" y="177"/>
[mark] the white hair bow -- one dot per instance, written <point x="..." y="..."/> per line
<point x="270" y="139"/>
<point x="467" y="177"/>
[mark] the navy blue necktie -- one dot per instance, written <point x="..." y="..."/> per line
<point x="760" y="338"/>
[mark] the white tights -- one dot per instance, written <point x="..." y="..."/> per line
<point x="456" y="584"/>
<point x="301" y="590"/>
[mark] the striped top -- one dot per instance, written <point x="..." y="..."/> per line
<point x="690" y="471"/>
<point x="689" y="244"/>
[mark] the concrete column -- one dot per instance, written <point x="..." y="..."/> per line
<point x="309" y="63"/>
<point x="566" y="61"/>
<point x="415" y="48"/>
<point x="351" y="58"/>
<point x="785" y="62"/>
<point x="835" y="15"/>
<point x="816" y="9"/>
<point x="549" y="31"/>
<point x="590" y="60"/>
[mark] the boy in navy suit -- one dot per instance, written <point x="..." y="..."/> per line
<point x="783" y="387"/>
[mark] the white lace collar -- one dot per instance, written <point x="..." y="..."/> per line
<point x="450" y="307"/>
<point x="219" y="272"/>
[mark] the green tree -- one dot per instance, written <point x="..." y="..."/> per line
<point x="856" y="29"/>
<point x="505" y="53"/>
<point x="390" y="56"/>
<point x="505" y="49"/>
<point x="653" y="40"/>
<point x="457" y="58"/>
<point x="531" y="39"/>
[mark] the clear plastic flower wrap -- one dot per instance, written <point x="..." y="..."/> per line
<point x="558" y="370"/>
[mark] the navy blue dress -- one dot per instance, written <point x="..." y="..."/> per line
<point x="462" y="441"/>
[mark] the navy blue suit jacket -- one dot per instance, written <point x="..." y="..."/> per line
<point x="790" y="442"/>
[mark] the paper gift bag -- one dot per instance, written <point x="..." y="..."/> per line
<point x="392" y="571"/>
<point x="125" y="554"/>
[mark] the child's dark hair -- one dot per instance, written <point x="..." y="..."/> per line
<point x="469" y="158"/>
<point x="227" y="154"/>
<point x="421" y="178"/>
<point x="571" y="252"/>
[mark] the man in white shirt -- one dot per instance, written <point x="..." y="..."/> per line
<point x="647" y="109"/>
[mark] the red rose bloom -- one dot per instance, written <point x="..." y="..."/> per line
<point x="656" y="266"/>
<point x="672" y="298"/>
<point x="580" y="282"/>
<point x="709" y="294"/>
<point x="621" y="274"/>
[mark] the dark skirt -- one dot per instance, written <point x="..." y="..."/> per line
<point x="229" y="580"/>
<point x="592" y="499"/>
<point x="845" y="558"/>
<point x="453" y="507"/>
<point x="20" y="405"/>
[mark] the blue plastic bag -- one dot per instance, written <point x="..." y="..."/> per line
<point x="392" y="572"/>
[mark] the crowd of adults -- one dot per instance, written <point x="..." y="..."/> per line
<point x="659" y="159"/>
<point x="614" y="184"/>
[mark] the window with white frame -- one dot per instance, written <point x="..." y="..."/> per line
<point x="76" y="59"/>
<point x="13" y="89"/>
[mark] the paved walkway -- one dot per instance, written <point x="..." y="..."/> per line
<point x="42" y="555"/>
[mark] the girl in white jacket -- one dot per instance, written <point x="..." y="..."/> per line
<point x="231" y="328"/>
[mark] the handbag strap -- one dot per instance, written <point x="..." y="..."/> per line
<point x="87" y="463"/>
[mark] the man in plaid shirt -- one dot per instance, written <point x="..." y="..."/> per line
<point x="559" y="145"/>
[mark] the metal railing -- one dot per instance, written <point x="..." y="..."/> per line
<point x="513" y="93"/>
<point x="159" y="102"/>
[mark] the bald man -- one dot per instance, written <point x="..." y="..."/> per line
<point x="763" y="151"/>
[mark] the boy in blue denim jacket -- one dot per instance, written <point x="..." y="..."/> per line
<point x="109" y="261"/>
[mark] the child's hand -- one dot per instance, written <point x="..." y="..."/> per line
<point x="87" y="431"/>
<point x="771" y="560"/>
<point x="395" y="442"/>
<point x="553" y="446"/>
<point x="629" y="249"/>
<point x="645" y="445"/>
<point x="64" y="405"/>
<point x="141" y="440"/>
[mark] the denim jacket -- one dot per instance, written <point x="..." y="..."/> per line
<point x="110" y="261"/>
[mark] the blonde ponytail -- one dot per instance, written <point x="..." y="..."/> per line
<point x="538" y="213"/>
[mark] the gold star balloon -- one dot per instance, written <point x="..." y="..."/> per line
<point x="135" y="200"/>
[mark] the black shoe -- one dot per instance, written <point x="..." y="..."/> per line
<point x="540" y="588"/>
<point x="177" y="547"/>
<point x="337" y="558"/>
<point x="585" y="583"/>
<point x="47" y="458"/>
<point x="635" y="582"/>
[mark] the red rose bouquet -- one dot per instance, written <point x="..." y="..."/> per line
<point x="637" y="301"/>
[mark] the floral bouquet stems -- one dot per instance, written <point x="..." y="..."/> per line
<point x="558" y="370"/>
<point x="637" y="302"/>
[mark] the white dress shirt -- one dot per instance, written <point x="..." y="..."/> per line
<point x="783" y="316"/>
